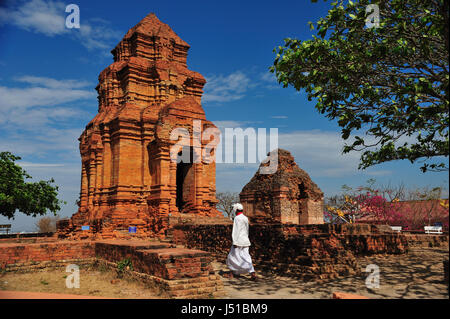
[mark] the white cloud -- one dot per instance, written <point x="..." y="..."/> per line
<point x="37" y="117"/>
<point x="42" y="142"/>
<point x="268" y="80"/>
<point x="45" y="134"/>
<point x="37" y="105"/>
<point x="98" y="36"/>
<point x="320" y="152"/>
<point x="236" y="85"/>
<point x="31" y="105"/>
<point x="268" y="77"/>
<point x="38" y="165"/>
<point x="230" y="123"/>
<point x="52" y="83"/>
<point x="34" y="122"/>
<point x="49" y="17"/>
<point x="317" y="152"/>
<point x="37" y="16"/>
<point x="226" y="88"/>
<point x="39" y="96"/>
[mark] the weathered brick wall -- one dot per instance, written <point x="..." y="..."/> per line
<point x="427" y="240"/>
<point x="376" y="244"/>
<point x="286" y="196"/>
<point x="275" y="239"/>
<point x="159" y="260"/>
<point x="187" y="288"/>
<point x="182" y="273"/>
<point x="319" y="250"/>
<point x="29" y="253"/>
<point x="28" y="240"/>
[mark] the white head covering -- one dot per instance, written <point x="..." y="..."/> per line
<point x="236" y="207"/>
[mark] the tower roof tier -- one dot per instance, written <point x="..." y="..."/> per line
<point x="153" y="40"/>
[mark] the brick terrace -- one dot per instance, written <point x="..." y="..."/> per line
<point x="180" y="272"/>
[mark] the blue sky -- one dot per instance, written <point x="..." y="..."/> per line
<point x="49" y="73"/>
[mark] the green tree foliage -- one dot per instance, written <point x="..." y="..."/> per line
<point x="16" y="194"/>
<point x="389" y="81"/>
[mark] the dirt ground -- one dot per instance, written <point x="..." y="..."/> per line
<point x="419" y="274"/>
<point x="93" y="282"/>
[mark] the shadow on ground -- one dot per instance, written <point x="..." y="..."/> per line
<point x="416" y="275"/>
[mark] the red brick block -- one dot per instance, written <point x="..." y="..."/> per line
<point x="344" y="295"/>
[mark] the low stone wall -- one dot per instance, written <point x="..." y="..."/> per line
<point x="427" y="240"/>
<point x="159" y="260"/>
<point x="27" y="237"/>
<point x="14" y="255"/>
<point x="193" y="288"/>
<point x="179" y="272"/>
<point x="310" y="251"/>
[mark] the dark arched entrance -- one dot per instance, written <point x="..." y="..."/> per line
<point x="185" y="177"/>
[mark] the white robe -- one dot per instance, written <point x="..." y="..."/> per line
<point x="239" y="260"/>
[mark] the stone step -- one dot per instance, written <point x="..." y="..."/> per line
<point x="163" y="260"/>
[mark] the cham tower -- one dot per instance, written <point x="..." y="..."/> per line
<point x="128" y="177"/>
<point x="288" y="196"/>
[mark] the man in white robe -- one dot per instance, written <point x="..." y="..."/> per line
<point x="239" y="260"/>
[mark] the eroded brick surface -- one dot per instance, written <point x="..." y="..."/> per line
<point x="288" y="196"/>
<point x="180" y="272"/>
<point x="425" y="240"/>
<point x="160" y="260"/>
<point x="310" y="251"/>
<point x="129" y="176"/>
<point x="34" y="253"/>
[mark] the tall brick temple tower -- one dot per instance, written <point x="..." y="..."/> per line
<point x="128" y="177"/>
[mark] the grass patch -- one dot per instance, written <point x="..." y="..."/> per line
<point x="44" y="282"/>
<point x="124" y="264"/>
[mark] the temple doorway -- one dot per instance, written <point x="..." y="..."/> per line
<point x="185" y="178"/>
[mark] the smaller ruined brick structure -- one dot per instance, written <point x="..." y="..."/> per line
<point x="288" y="196"/>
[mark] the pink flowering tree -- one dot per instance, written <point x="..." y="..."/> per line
<point x="364" y="207"/>
<point x="378" y="210"/>
<point x="388" y="205"/>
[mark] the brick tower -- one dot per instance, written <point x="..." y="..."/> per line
<point x="288" y="196"/>
<point x="128" y="177"/>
